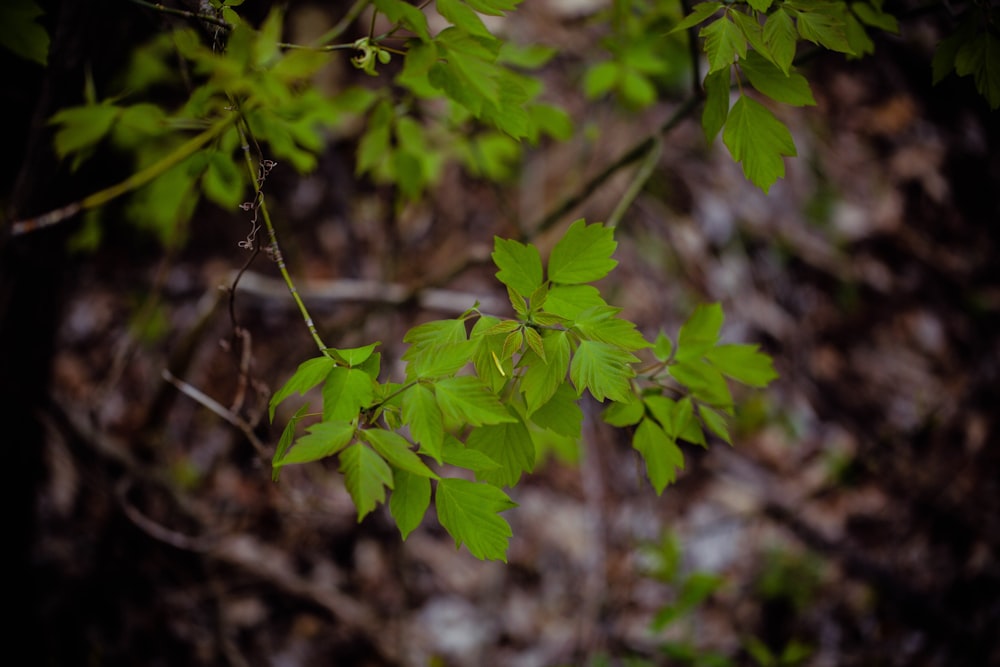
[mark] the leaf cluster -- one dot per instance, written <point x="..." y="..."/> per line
<point x="483" y="396"/>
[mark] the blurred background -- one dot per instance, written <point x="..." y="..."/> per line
<point x="855" y="521"/>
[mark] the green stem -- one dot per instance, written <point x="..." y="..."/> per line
<point x="638" y="183"/>
<point x="275" y="248"/>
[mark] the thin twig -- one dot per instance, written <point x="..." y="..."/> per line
<point x="218" y="409"/>
<point x="637" y="152"/>
<point x="638" y="183"/>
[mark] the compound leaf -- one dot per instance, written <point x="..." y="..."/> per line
<point x="345" y="392"/>
<point x="790" y="88"/>
<point x="723" y="43"/>
<point x="744" y="363"/>
<point x="422" y="414"/>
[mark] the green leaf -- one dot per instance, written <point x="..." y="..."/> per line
<point x="410" y="498"/>
<point x="21" y="33"/>
<point x="457" y="454"/>
<point x="285" y="441"/>
<point x="562" y="413"/>
<point x="437" y="348"/>
<point x="345" y="392"/>
<point x="541" y="377"/>
<point x="699" y="13"/>
<point x="352" y="356"/>
<point x="395" y="449"/>
<point x="825" y="29"/>
<point x="422" y="415"/>
<point x="466" y="400"/>
<point x="568" y="301"/>
<point x="583" y="254"/>
<point x="758" y="140"/>
<point x="493" y="7"/>
<point x="715" y="422"/>
<point x="723" y="43"/>
<point x="510" y="445"/>
<point x="600" y="323"/>
<point x="321" y="440"/>
<point x="767" y="78"/>
<point x="744" y="363"/>
<point x="673" y="416"/>
<point x="781" y="38"/>
<point x="461" y="16"/>
<point x="603" y="369"/>
<point x="222" y="182"/>
<point x="716" y="103"/>
<point x="700" y="332"/>
<point x="83" y="127"/>
<point x="601" y="79"/>
<point x="520" y="265"/>
<point x="366" y="474"/>
<point x="663" y="347"/>
<point x="661" y="454"/>
<point x="469" y="512"/>
<point x="705" y="382"/>
<point x="624" y="413"/>
<point x="491" y="367"/>
<point x="875" y="17"/>
<point x="981" y="57"/>
<point x="402" y="12"/>
<point x="760" y="5"/>
<point x="309" y="374"/>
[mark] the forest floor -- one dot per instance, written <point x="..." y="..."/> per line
<point x="855" y="521"/>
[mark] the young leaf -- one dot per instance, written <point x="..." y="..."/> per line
<point x="744" y="363"/>
<point x="309" y="374"/>
<point x="663" y="347"/>
<point x="520" y="265"/>
<point x="791" y="88"/>
<point x="604" y="369"/>
<point x="583" y="254"/>
<point x="354" y="356"/>
<point x="345" y="392"/>
<point x="661" y="454"/>
<point x="321" y="440"/>
<point x="395" y="449"/>
<point x="466" y="400"/>
<point x="705" y="382"/>
<point x="437" y="349"/>
<point x="491" y="365"/>
<point x="469" y="512"/>
<point x="402" y="12"/>
<point x="410" y="498"/>
<point x="758" y="140"/>
<point x="366" y="474"/>
<point x="723" y="43"/>
<point x="510" y="445"/>
<point x="421" y="413"/>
